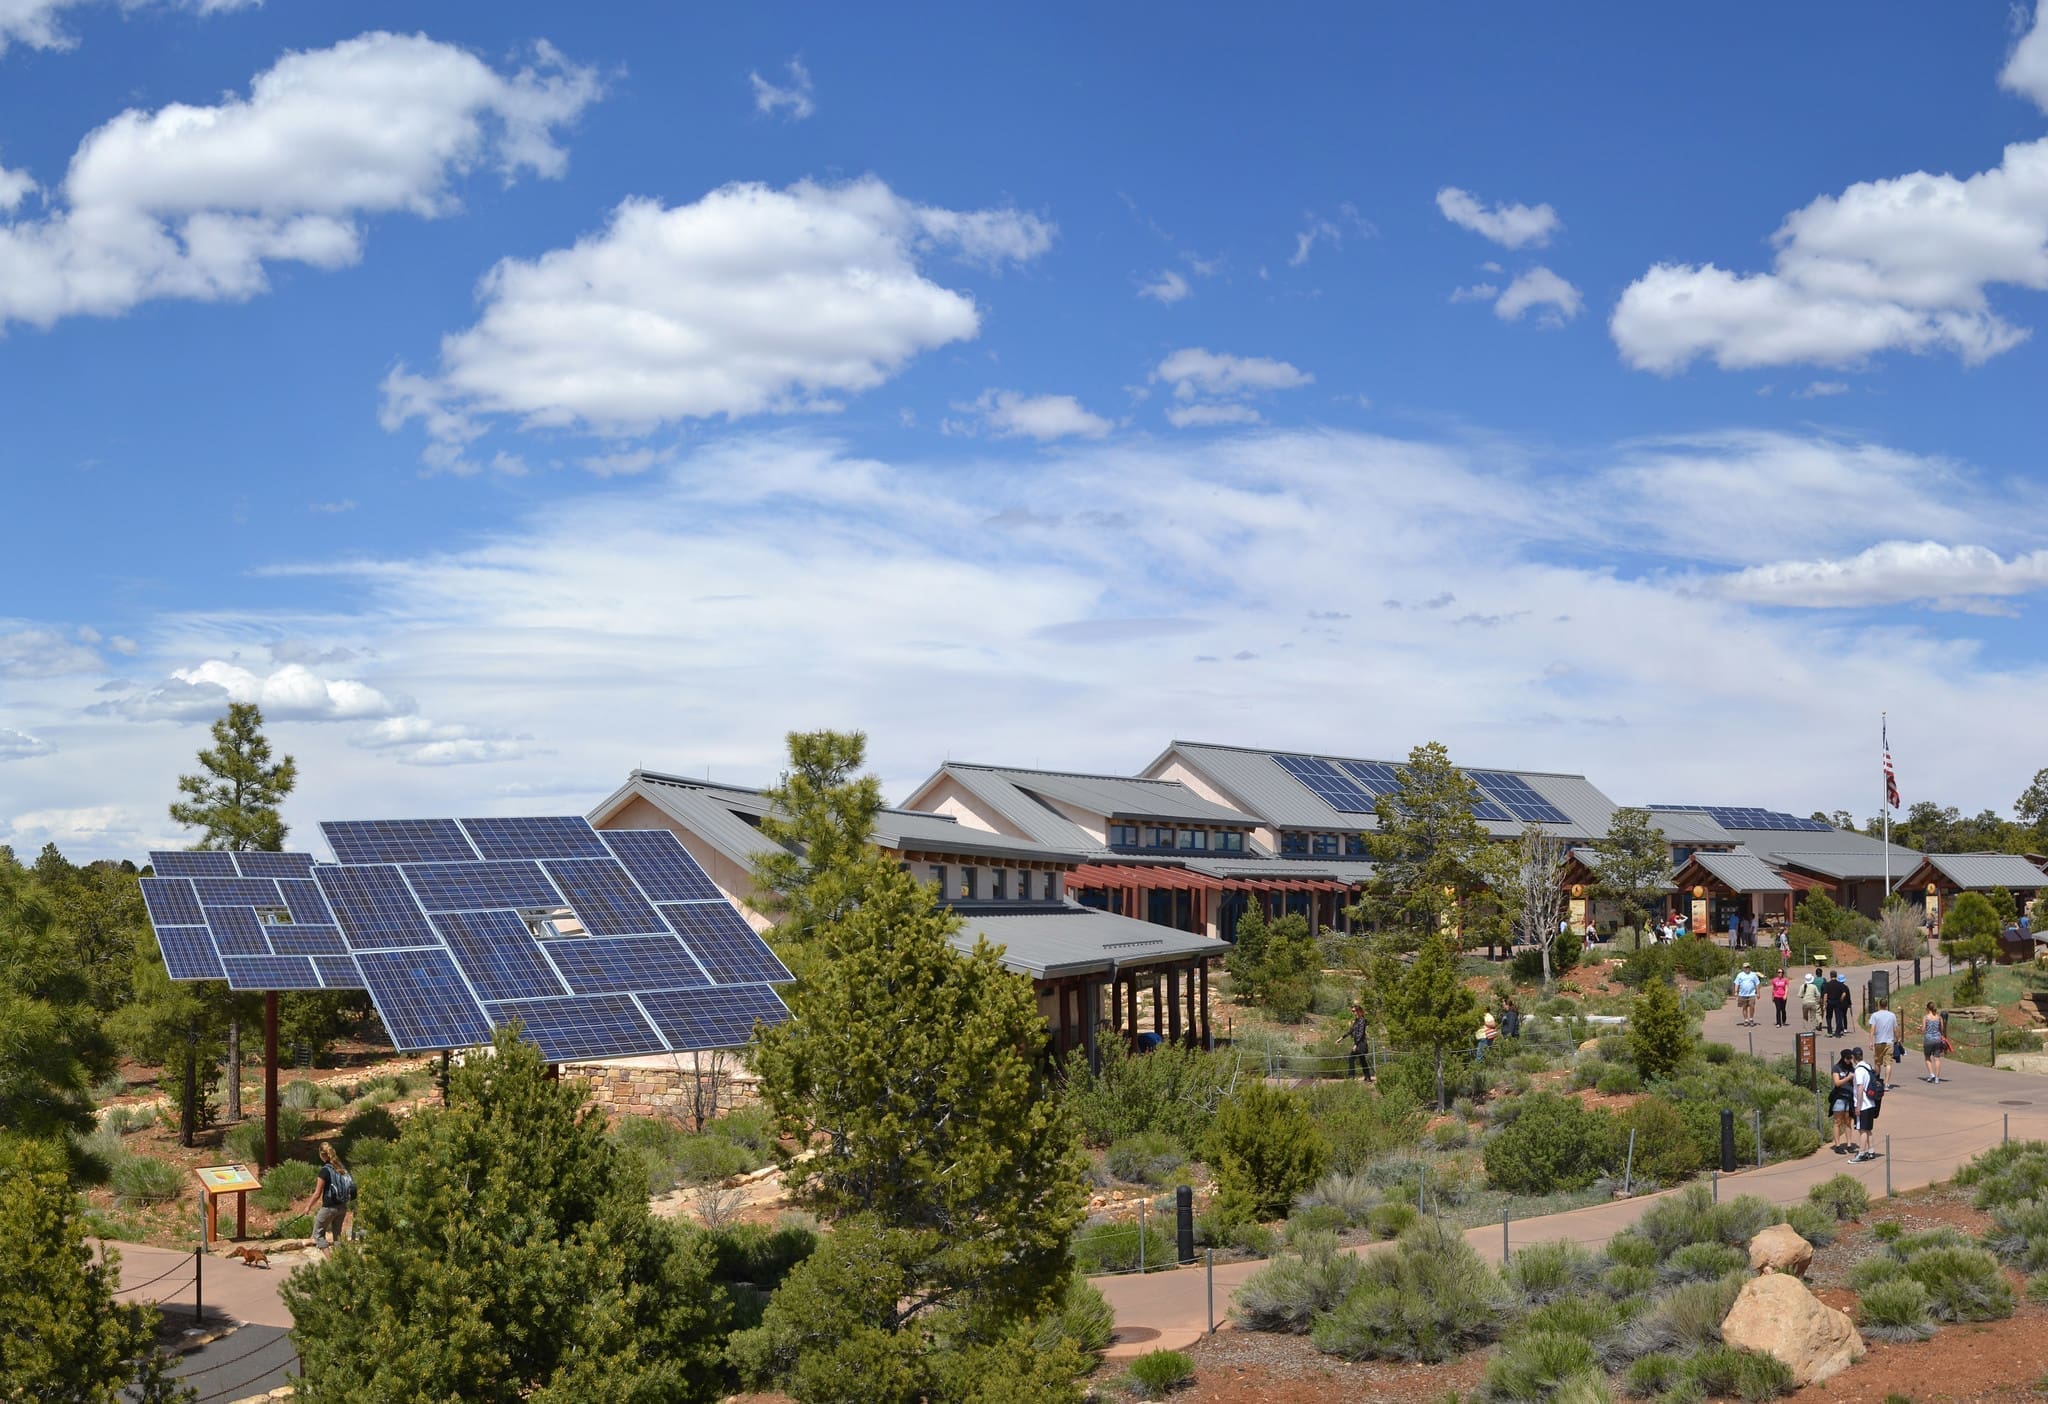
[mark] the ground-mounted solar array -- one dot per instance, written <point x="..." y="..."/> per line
<point x="598" y="944"/>
<point x="1748" y="817"/>
<point x="1354" y="786"/>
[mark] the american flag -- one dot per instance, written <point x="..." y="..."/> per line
<point x="1891" y="780"/>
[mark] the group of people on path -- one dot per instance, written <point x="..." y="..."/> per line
<point x="1855" y="1100"/>
<point x="1508" y="1024"/>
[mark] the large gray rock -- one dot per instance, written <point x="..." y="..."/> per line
<point x="1775" y="1314"/>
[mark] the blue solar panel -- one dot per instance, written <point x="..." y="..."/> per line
<point x="303" y="900"/>
<point x="545" y="836"/>
<point x="338" y="972"/>
<point x="1518" y="797"/>
<point x="469" y="887"/>
<point x="604" y="898"/>
<point x="189" y="953"/>
<point x="397" y="841"/>
<point x="499" y="955"/>
<point x="306" y="940"/>
<point x="375" y="907"/>
<point x="423" y="1000"/>
<point x="237" y="932"/>
<point x="270" y="973"/>
<point x="238" y="892"/>
<point x="714" y="1018"/>
<point x="275" y="865"/>
<point x="603" y="1026"/>
<point x="1329" y="784"/>
<point x="171" y="902"/>
<point x="608" y="964"/>
<point x="726" y="945"/>
<point x="661" y="865"/>
<point x="197" y="863"/>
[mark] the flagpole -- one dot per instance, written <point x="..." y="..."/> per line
<point x="1885" y="803"/>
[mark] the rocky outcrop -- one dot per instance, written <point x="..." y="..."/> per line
<point x="1775" y="1314"/>
<point x="1779" y="1248"/>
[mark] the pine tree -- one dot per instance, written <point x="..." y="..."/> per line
<point x="1429" y="1009"/>
<point x="65" y="1337"/>
<point x="235" y="802"/>
<point x="1633" y="864"/>
<point x="52" y="1046"/>
<point x="1659" y="1035"/>
<point x="1431" y="857"/>
<point x="1266" y="1149"/>
<point x="822" y="821"/>
<point x="1969" y="932"/>
<point x="179" y="1025"/>
<point x="1247" y="959"/>
<point x="2003" y="903"/>
<point x="508" y="1255"/>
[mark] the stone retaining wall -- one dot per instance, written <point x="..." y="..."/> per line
<point x="628" y="1090"/>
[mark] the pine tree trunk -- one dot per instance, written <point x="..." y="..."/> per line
<point x="189" y="1107"/>
<point x="234" y="1070"/>
<point x="1546" y="965"/>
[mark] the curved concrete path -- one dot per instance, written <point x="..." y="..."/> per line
<point x="1933" y="1130"/>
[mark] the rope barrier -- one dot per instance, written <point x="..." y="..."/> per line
<point x="216" y="1366"/>
<point x="181" y="1265"/>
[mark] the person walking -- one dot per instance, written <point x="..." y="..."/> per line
<point x="1884" y="1039"/>
<point x="1510" y="1018"/>
<point x="1933" y="1042"/>
<point x="1838" y="1006"/>
<point x="332" y="1190"/>
<point x="1489" y="1030"/>
<point x="1746" y="982"/>
<point x="1842" y="1102"/>
<point x="1865" y="1090"/>
<point x="1779" y="989"/>
<point x="1809" y="997"/>
<point x="1361" y="1053"/>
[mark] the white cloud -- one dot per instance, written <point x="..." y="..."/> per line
<point x="87" y="830"/>
<point x="15" y="186"/>
<point x="193" y="202"/>
<point x="1041" y="417"/>
<point x="1903" y="264"/>
<point x="1894" y="572"/>
<point x="1319" y="230"/>
<point x="31" y="652"/>
<point x="35" y="23"/>
<point x="1511" y="226"/>
<point x="1194" y="370"/>
<point x="1539" y="288"/>
<point x="749" y="301"/>
<point x="1205" y="416"/>
<point x="19" y="745"/>
<point x="293" y="692"/>
<point x="1821" y="389"/>
<point x="333" y="509"/>
<point x="1476" y="292"/>
<point x="1166" y="289"/>
<point x="417" y="741"/>
<point x="122" y="644"/>
<point x="771" y="98"/>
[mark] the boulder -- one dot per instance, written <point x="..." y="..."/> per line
<point x="1775" y="1314"/>
<point x="1779" y="1248"/>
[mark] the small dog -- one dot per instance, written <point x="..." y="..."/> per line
<point x="251" y="1257"/>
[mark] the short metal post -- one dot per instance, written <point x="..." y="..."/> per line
<point x="1184" y="1223"/>
<point x="1141" y="1233"/>
<point x="1422" y="1191"/>
<point x="1209" y="1274"/>
<point x="1887" y="1165"/>
<point x="1756" y="1119"/>
<point x="198" y="1272"/>
<point x="1503" y="1238"/>
<point x="1752" y="1043"/>
<point x="1717" y="1185"/>
<point x="2005" y="1136"/>
<point x="1727" y="1138"/>
<point x="1628" y="1166"/>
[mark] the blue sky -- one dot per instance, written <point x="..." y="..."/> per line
<point x="1651" y="394"/>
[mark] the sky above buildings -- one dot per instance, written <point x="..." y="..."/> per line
<point x="1647" y="392"/>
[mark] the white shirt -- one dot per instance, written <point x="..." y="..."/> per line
<point x="1884" y="1026"/>
<point x="1863" y="1102"/>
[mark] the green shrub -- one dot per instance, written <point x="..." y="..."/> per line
<point x="1545" y="1272"/>
<point x="1536" y="1365"/>
<point x="285" y="1184"/>
<point x="1633" y="1248"/>
<point x="1627" y="1282"/>
<point x="1895" y="1310"/>
<point x="1450" y="1135"/>
<point x="1725" y="1372"/>
<point x="1313" y="1219"/>
<point x="1659" y="1032"/>
<point x="1266" y="1149"/>
<point x="1874" y="1271"/>
<point x="2037" y="1287"/>
<point x="243" y="1143"/>
<point x="1887" y="1231"/>
<point x="1842" y="1195"/>
<point x="1352" y="1196"/>
<point x="142" y="1177"/>
<point x="1430" y="1298"/>
<point x="1292" y="1290"/>
<point x="1963" y="1284"/>
<point x="1686" y="1318"/>
<point x="1390" y="1220"/>
<point x="329" y="1100"/>
<point x="757" y="1255"/>
<point x="1587" y="1317"/>
<point x="1363" y="1124"/>
<point x="1664" y="1149"/>
<point x="1910" y="1245"/>
<point x="751" y="1127"/>
<point x="1171" y="1089"/>
<point x="1158" y="1373"/>
<point x="1812" y="1223"/>
<point x="1654" y="1374"/>
<point x="2019" y="1234"/>
<point x="1619" y="1081"/>
<point x="297" y="1226"/>
<point x="2008" y="1174"/>
<point x="1554" y="1143"/>
<point x="1084" y="1318"/>
<point x="1703" y="1262"/>
<point x="1717" y="1053"/>
<point x="1411" y="1081"/>
<point x="291" y="1125"/>
<point x="371" y="1123"/>
<point x="299" y="1093"/>
<point x="1146" y="1158"/>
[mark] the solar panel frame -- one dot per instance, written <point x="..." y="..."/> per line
<point x="1516" y="795"/>
<point x="376" y="909"/>
<point x="575" y="1028"/>
<point x="307" y="940"/>
<point x="338" y="972"/>
<point x="657" y="860"/>
<point x="423" y="998"/>
<point x="499" y="955"/>
<point x="189" y="953"/>
<point x="482" y="886"/>
<point x="718" y="1017"/>
<point x="535" y="836"/>
<point x="238" y="892"/>
<point x="305" y="902"/>
<point x="274" y="865"/>
<point x="269" y="972"/>
<point x="237" y="932"/>
<point x="359" y="842"/>
<point x="731" y="951"/>
<point x="601" y="965"/>
<point x="604" y="897"/>
<point x="190" y="863"/>
<point x="172" y="902"/>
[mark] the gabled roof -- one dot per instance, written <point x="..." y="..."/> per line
<point x="1075" y="940"/>
<point x="1848" y="865"/>
<point x="1740" y="871"/>
<point x="1249" y="777"/>
<point x="1980" y="872"/>
<point x="1023" y="797"/>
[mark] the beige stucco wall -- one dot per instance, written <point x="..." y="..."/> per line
<point x="1172" y="767"/>
<point x="945" y="795"/>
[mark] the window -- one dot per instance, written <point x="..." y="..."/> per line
<point x="970" y="879"/>
<point x="1228" y="842"/>
<point x="1293" y="845"/>
<point x="938" y="871"/>
<point x="1354" y="846"/>
<point x="1052" y="887"/>
<point x="1326" y="845"/>
<point x="999" y="883"/>
<point x="1159" y="838"/>
<point x="1194" y="838"/>
<point x="1123" y="835"/>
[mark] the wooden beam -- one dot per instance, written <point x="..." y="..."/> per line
<point x="1173" y="1003"/>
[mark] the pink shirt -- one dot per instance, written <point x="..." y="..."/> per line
<point x="1777" y="987"/>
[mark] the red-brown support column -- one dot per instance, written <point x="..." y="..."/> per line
<point x="269" y="1078"/>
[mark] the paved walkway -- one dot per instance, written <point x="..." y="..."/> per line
<point x="1932" y="1130"/>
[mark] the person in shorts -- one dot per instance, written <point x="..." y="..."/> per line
<point x="1746" y="982"/>
<point x="1884" y="1038"/>
<point x="1865" y="1091"/>
<point x="1933" y="1042"/>
<point x="330" y="1198"/>
<point x="1842" y="1104"/>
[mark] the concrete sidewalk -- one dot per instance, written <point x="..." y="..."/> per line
<point x="165" y="1277"/>
<point x="1931" y="1130"/>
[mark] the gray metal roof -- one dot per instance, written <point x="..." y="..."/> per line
<point x="1347" y="870"/>
<point x="1742" y="872"/>
<point x="1859" y="855"/>
<point x="1984" y="871"/>
<point x="1848" y="866"/>
<point x="1683" y="827"/>
<point x="1115" y="796"/>
<point x="1080" y="941"/>
<point x="1249" y="778"/>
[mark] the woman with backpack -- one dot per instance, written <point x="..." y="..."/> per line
<point x="331" y="1196"/>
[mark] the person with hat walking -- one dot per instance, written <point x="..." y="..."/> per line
<point x="1746" y="982"/>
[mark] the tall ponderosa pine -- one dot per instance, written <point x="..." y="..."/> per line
<point x="920" y="1071"/>
<point x="508" y="1255"/>
<point x="1427" y="1007"/>
<point x="64" y="1336"/>
<point x="1434" y="869"/>
<point x="1633" y="864"/>
<point x="822" y="821"/>
<point x="235" y="802"/>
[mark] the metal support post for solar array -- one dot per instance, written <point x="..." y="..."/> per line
<point x="1628" y="1166"/>
<point x="1752" y="1043"/>
<point x="1209" y="1276"/>
<point x="443" y="1077"/>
